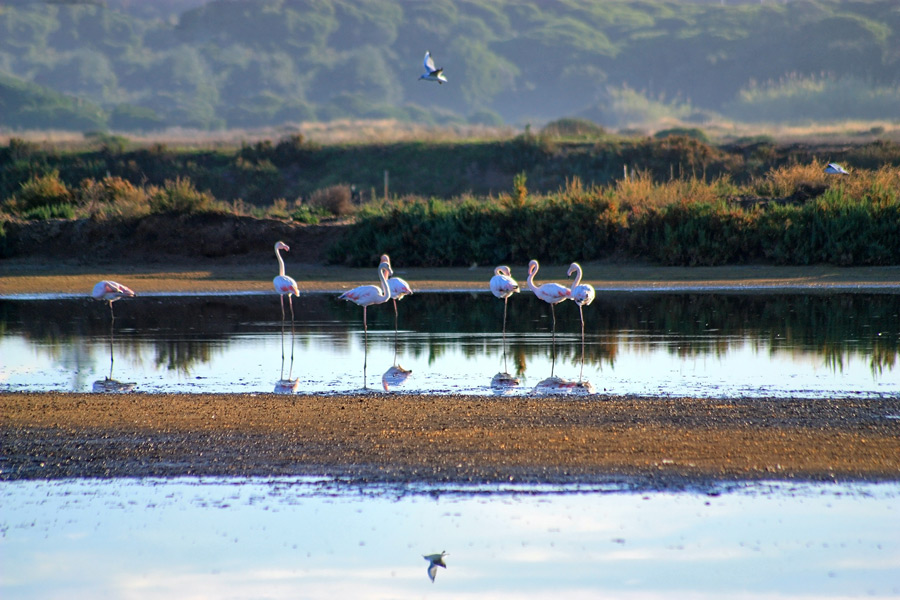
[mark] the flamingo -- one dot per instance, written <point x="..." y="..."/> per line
<point x="582" y="294"/>
<point x="110" y="291"/>
<point x="367" y="295"/>
<point x="399" y="288"/>
<point x="432" y="73"/>
<point x="551" y="293"/>
<point x="285" y="285"/>
<point x="435" y="561"/>
<point x="503" y="286"/>
<point x="835" y="169"/>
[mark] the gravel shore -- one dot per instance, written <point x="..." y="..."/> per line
<point x="388" y="438"/>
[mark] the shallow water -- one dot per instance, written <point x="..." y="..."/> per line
<point x="303" y="538"/>
<point x="699" y="344"/>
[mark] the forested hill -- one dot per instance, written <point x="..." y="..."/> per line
<point x="249" y="63"/>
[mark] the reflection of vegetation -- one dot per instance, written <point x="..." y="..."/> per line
<point x="185" y="331"/>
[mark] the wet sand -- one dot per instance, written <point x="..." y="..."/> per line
<point x="32" y="276"/>
<point x="389" y="438"/>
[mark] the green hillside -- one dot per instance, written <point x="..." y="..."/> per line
<point x="266" y="62"/>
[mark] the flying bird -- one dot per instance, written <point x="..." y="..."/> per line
<point x="836" y="169"/>
<point x="431" y="73"/>
<point x="435" y="561"/>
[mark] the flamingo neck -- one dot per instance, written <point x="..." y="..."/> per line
<point x="531" y="273"/>
<point x="577" y="277"/>
<point x="385" y="288"/>
<point x="280" y="262"/>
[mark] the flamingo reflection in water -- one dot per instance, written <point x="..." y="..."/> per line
<point x="110" y="291"/>
<point x="435" y="561"/>
<point x="503" y="286"/>
<point x="285" y="285"/>
<point x="365" y="296"/>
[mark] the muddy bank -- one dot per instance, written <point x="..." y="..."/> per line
<point x="395" y="439"/>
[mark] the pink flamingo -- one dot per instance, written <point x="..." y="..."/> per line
<point x="285" y="285"/>
<point x="110" y="291"/>
<point x="399" y="288"/>
<point x="503" y="286"/>
<point x="551" y="293"/>
<point x="582" y="294"/>
<point x="367" y="295"/>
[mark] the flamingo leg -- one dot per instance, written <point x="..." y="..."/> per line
<point x="281" y="300"/>
<point x="112" y="326"/>
<point x="553" y="342"/>
<point x="505" y="369"/>
<point x="581" y="314"/>
<point x="291" y="304"/>
<point x="365" y="350"/>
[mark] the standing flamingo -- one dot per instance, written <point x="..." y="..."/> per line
<point x="503" y="286"/>
<point x="582" y="294"/>
<point x="110" y="291"/>
<point x="552" y="294"/>
<point x="399" y="288"/>
<point x="285" y="285"/>
<point x="366" y="295"/>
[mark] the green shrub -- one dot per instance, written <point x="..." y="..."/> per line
<point x="181" y="197"/>
<point x="39" y="190"/>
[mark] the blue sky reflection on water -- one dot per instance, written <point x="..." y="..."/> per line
<point x="688" y="344"/>
<point x="292" y="538"/>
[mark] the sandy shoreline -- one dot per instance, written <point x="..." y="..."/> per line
<point x="31" y="276"/>
<point x="386" y="438"/>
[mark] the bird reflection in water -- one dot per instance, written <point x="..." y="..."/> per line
<point x="394" y="376"/>
<point x="287" y="386"/>
<point x="435" y="561"/>
<point x="110" y="291"/>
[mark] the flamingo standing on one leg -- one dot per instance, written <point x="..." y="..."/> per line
<point x="110" y="291"/>
<point x="285" y="285"/>
<point x="365" y="296"/>
<point x="399" y="288"/>
<point x="503" y="286"/>
<point x="582" y="294"/>
<point x="552" y="294"/>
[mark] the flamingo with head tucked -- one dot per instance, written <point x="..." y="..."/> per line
<point x="582" y="294"/>
<point x="503" y="286"/>
<point x="110" y="291"/>
<point x="285" y="285"/>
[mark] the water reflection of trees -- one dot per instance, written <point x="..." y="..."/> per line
<point x="184" y="331"/>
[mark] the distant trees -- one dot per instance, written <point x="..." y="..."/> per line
<point x="262" y="62"/>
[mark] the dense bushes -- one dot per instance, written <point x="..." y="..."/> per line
<point x="856" y="221"/>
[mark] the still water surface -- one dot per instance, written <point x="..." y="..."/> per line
<point x="297" y="538"/>
<point x="703" y="344"/>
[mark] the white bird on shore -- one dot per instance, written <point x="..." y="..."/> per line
<point x="285" y="284"/>
<point x="836" y="169"/>
<point x="551" y="293"/>
<point x="435" y="561"/>
<point x="432" y="73"/>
